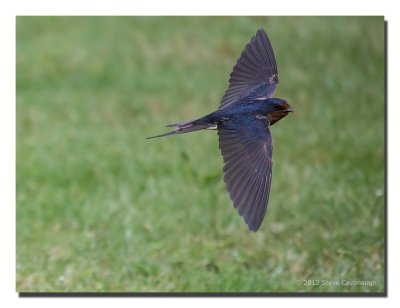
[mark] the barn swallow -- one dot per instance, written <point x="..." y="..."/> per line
<point x="243" y="121"/>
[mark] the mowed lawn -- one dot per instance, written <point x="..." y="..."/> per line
<point x="100" y="208"/>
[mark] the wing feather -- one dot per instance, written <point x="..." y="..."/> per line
<point x="246" y="146"/>
<point x="255" y="73"/>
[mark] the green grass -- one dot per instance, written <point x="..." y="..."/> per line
<point x="99" y="208"/>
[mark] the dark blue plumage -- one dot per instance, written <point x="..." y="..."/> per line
<point x="243" y="121"/>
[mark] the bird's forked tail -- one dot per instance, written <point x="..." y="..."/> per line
<point x="185" y="127"/>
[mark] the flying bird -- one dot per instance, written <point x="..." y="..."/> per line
<point x="243" y="122"/>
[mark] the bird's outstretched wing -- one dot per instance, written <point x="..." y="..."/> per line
<point x="246" y="145"/>
<point x="255" y="73"/>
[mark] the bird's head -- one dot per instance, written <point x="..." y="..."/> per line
<point x="277" y="109"/>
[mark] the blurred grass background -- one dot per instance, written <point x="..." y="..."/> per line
<point x="99" y="208"/>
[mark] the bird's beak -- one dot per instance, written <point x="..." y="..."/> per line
<point x="288" y="109"/>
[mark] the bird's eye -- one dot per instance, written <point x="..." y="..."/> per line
<point x="276" y="107"/>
